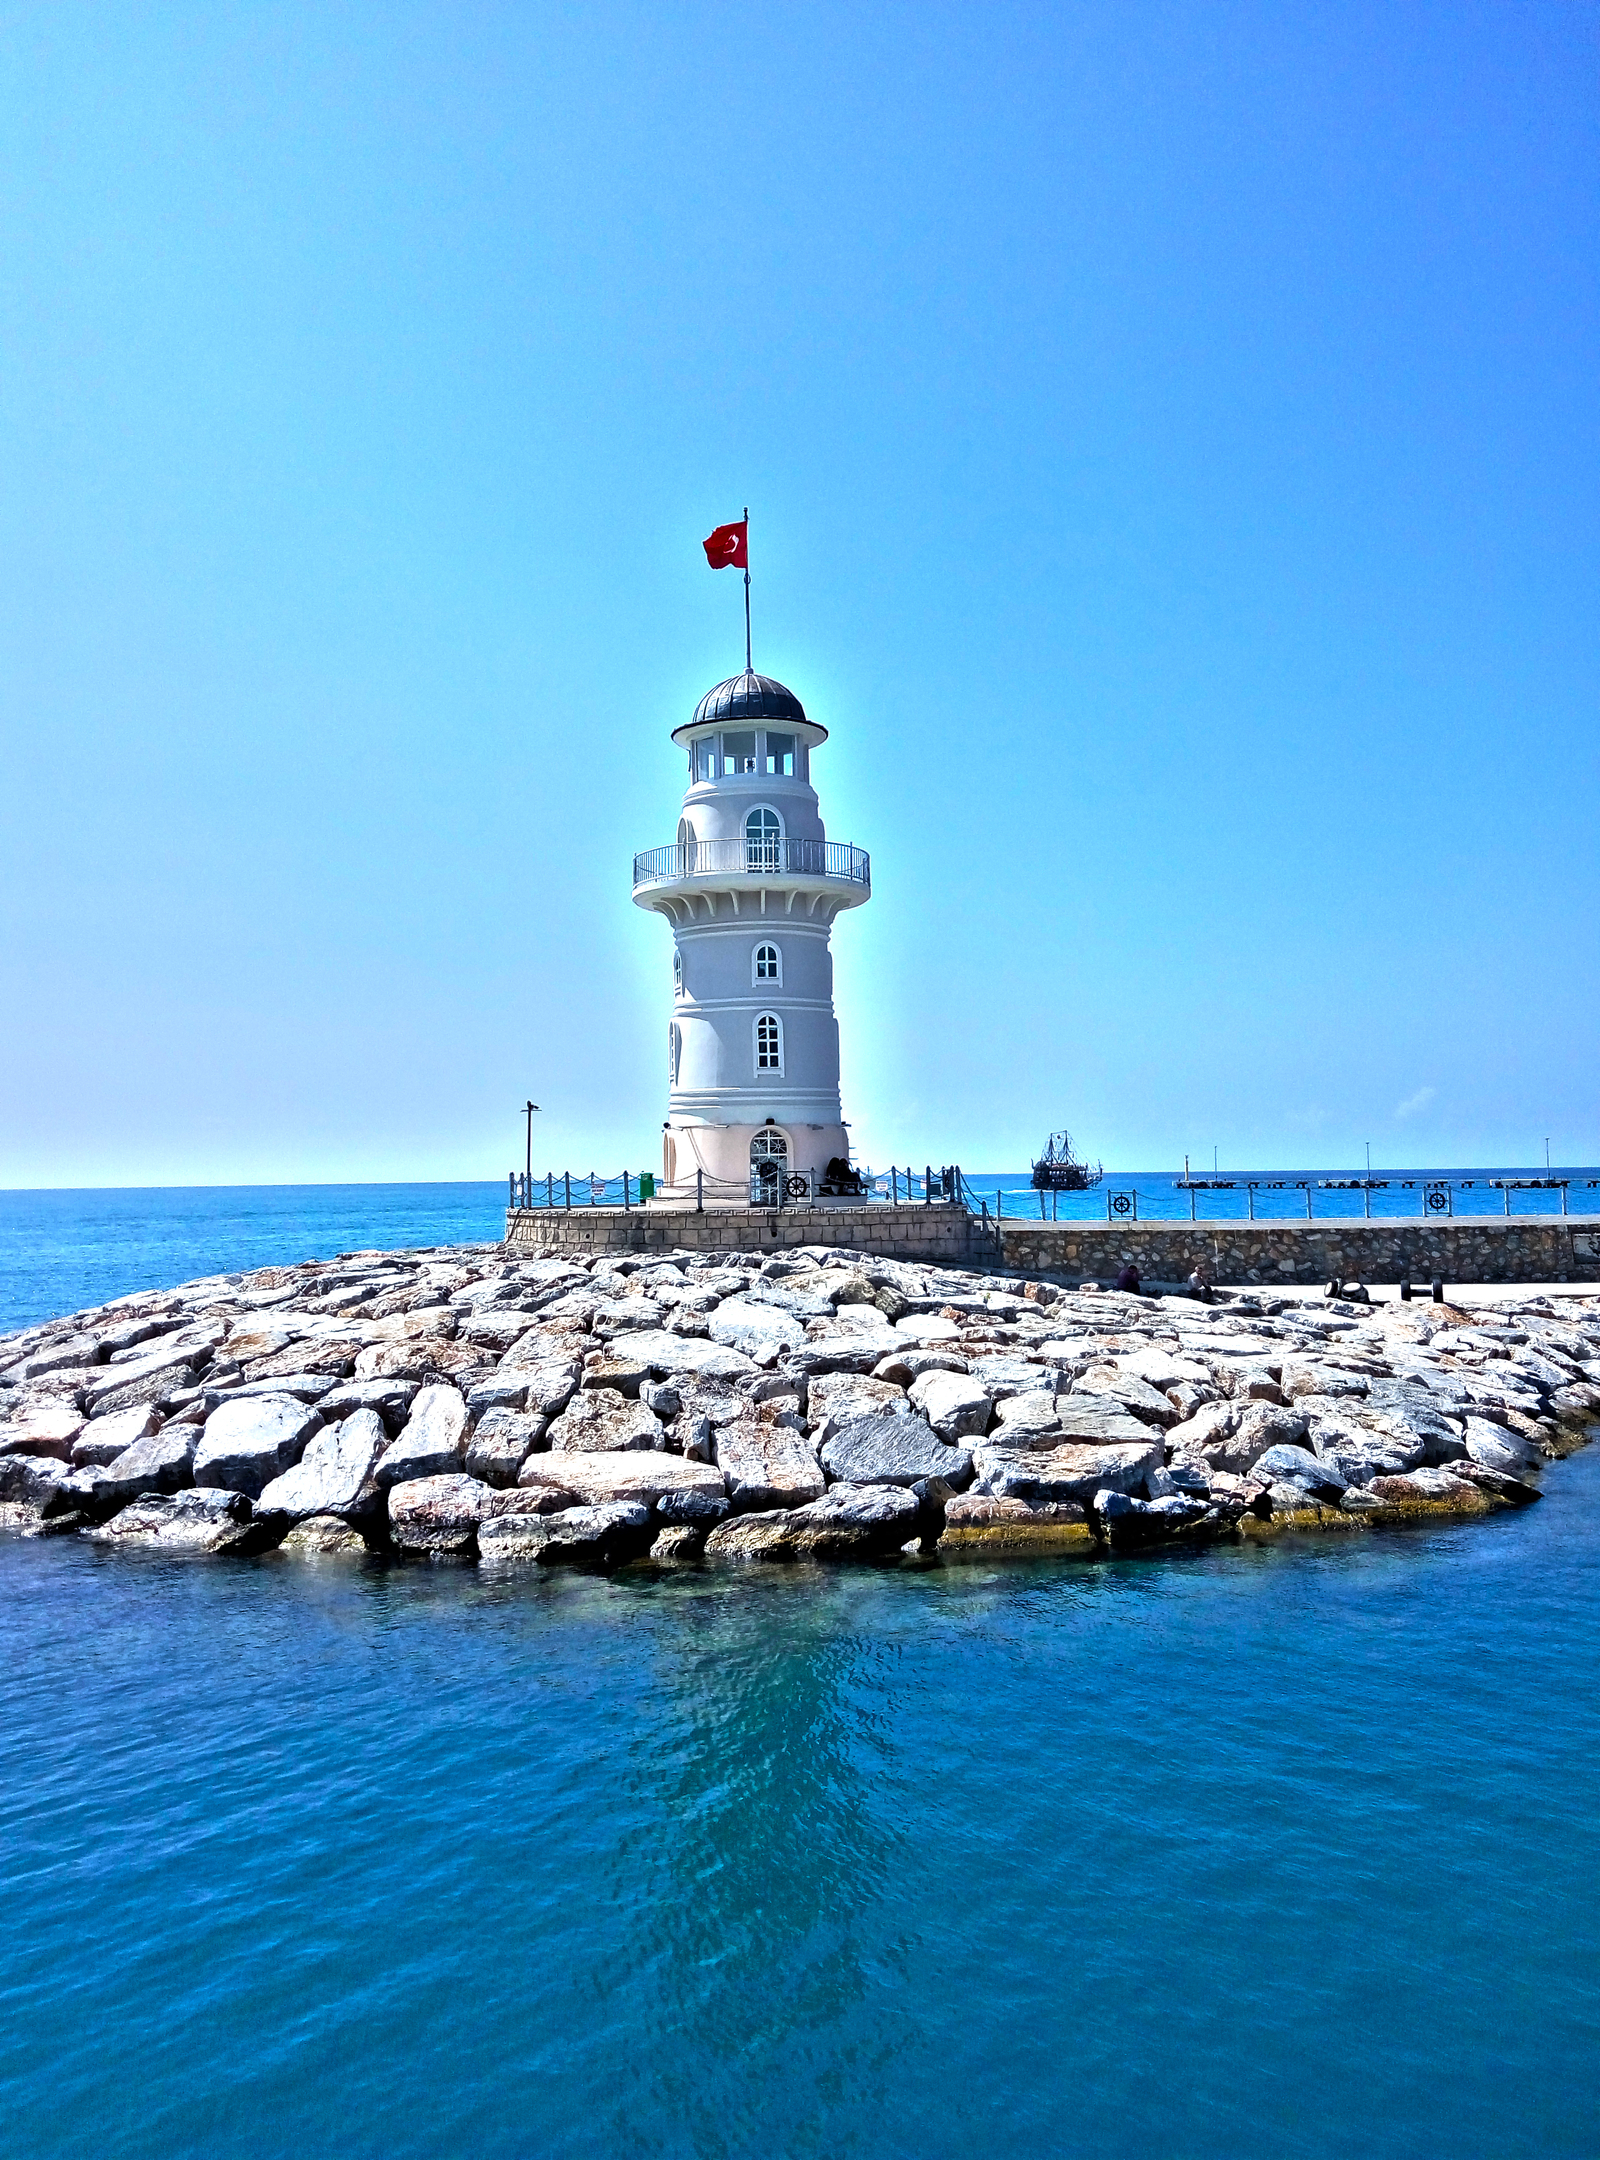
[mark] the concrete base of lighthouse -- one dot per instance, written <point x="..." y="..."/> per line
<point x="727" y="1158"/>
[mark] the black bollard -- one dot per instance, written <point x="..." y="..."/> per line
<point x="1438" y="1290"/>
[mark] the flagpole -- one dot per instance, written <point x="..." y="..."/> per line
<point x="747" y="667"/>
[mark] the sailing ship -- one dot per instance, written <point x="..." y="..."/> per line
<point x="1059" y="1170"/>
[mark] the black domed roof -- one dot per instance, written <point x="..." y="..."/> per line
<point x="748" y="697"/>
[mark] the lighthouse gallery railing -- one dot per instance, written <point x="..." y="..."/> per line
<point x="757" y="857"/>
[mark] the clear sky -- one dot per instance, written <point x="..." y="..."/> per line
<point x="1170" y="437"/>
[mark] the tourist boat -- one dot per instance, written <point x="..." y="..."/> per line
<point x="1059" y="1170"/>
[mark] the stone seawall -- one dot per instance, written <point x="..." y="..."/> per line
<point x="1462" y="1249"/>
<point x="893" y="1233"/>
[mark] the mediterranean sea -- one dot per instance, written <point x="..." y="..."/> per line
<point x="1279" y="1851"/>
<point x="1292" y="1849"/>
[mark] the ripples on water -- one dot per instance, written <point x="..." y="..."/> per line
<point x="1271" y="1852"/>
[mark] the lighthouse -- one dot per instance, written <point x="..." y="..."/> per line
<point x="751" y="887"/>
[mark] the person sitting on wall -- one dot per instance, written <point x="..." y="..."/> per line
<point x="1129" y="1279"/>
<point x="841" y="1180"/>
<point x="1200" y="1282"/>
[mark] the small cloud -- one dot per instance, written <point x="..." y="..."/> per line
<point x="1414" y="1103"/>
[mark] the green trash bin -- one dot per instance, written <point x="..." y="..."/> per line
<point x="647" y="1186"/>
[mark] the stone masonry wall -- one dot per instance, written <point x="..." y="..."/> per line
<point x="897" y="1233"/>
<point x="1461" y="1250"/>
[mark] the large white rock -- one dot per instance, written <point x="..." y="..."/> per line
<point x="926" y="1328"/>
<point x="46" y="1426"/>
<point x="834" y="1397"/>
<point x="767" y="1465"/>
<point x="603" y="1421"/>
<point x="1161" y="1369"/>
<point x="436" y="1514"/>
<point x="600" y="1536"/>
<point x="157" y="1462"/>
<point x="954" y="1404"/>
<point x="1497" y="1448"/>
<point x="1068" y="1472"/>
<point x="678" y="1490"/>
<point x="244" y="1445"/>
<point x="761" y="1332"/>
<point x="431" y="1443"/>
<point x="848" y="1522"/>
<point x="667" y="1354"/>
<point x="334" y="1475"/>
<point x="211" y="1521"/>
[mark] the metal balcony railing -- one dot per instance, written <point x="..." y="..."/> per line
<point x="831" y="859"/>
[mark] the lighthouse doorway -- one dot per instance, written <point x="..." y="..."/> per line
<point x="769" y="1167"/>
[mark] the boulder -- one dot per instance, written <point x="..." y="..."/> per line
<point x="1427" y="1491"/>
<point x="1090" y="1420"/>
<point x="833" y="1398"/>
<point x="1130" y="1523"/>
<point x="44" y="1426"/>
<point x="389" y="1395"/>
<point x="927" y="1328"/>
<point x="33" y="1481"/>
<point x="1068" y="1472"/>
<point x="437" y="1514"/>
<point x="501" y="1443"/>
<point x="600" y="1421"/>
<point x="668" y="1355"/>
<point x="160" y="1462"/>
<point x="678" y="1490"/>
<point x="258" y="1338"/>
<point x="1259" y="1426"/>
<point x="321" y="1534"/>
<point x="1161" y="1370"/>
<point x="954" y="1404"/>
<point x="849" y="1343"/>
<point x="761" y="1332"/>
<point x="208" y="1521"/>
<point x="851" y="1522"/>
<point x="622" y="1316"/>
<point x="157" y="1386"/>
<point x="1400" y="1403"/>
<point x="335" y="1474"/>
<point x="1027" y="1421"/>
<point x="105" y="1438"/>
<point x="890" y="1449"/>
<point x="1289" y="1465"/>
<point x="602" y="1536"/>
<point x="431" y="1442"/>
<point x="677" y="1544"/>
<point x="1115" y="1385"/>
<point x="1496" y="1448"/>
<point x="497" y="1391"/>
<point x="978" y="1524"/>
<point x="1007" y="1375"/>
<point x="243" y="1445"/>
<point x="767" y="1465"/>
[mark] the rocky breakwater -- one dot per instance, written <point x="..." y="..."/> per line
<point x="535" y="1410"/>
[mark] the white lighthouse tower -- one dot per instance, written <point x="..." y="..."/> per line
<point x="751" y="888"/>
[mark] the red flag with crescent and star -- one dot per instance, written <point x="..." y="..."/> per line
<point x="728" y="547"/>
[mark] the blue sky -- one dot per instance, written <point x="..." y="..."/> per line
<point x="1170" y="436"/>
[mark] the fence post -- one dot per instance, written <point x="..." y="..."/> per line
<point x="699" y="1190"/>
<point x="1563" y="1199"/>
<point x="1507" y="1195"/>
<point x="511" y="1188"/>
<point x="1366" y="1200"/>
<point x="999" y="1206"/>
<point x="1041" y="1204"/>
<point x="566" y="1178"/>
<point x="927" y="1186"/>
<point x="1191" y="1204"/>
<point x="1308" y="1200"/>
<point x="624" y="1190"/>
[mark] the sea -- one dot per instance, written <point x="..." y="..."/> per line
<point x="1287" y="1851"/>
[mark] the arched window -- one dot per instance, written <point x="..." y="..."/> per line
<point x="674" y="1052"/>
<point x="769" y="1165"/>
<point x="767" y="965"/>
<point x="763" y="830"/>
<point x="769" y="1044"/>
<point x="677" y="972"/>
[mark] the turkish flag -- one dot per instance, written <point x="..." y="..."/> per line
<point x="727" y="549"/>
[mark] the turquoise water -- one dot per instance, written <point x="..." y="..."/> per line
<point x="1286" y="1852"/>
<point x="1283" y="1852"/>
